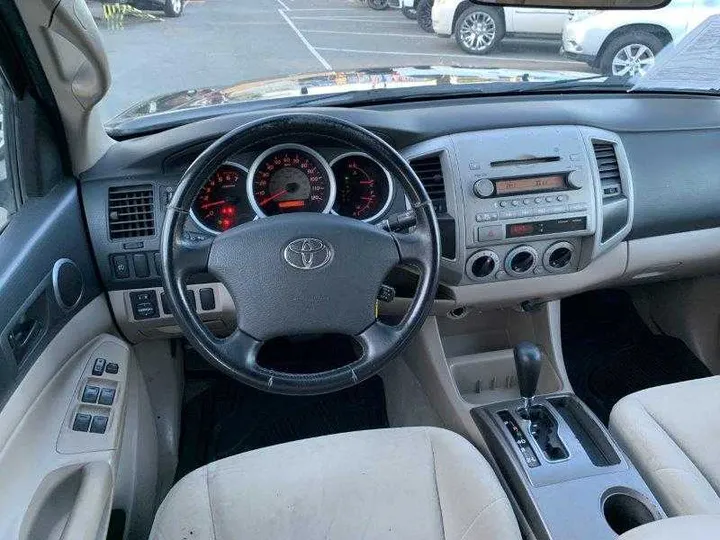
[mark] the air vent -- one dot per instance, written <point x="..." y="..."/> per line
<point x="429" y="170"/>
<point x="131" y="212"/>
<point x="608" y="168"/>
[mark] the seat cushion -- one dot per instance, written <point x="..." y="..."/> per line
<point x="414" y="483"/>
<point x="683" y="527"/>
<point x="671" y="434"/>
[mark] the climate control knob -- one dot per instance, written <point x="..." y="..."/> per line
<point x="483" y="188"/>
<point x="482" y="265"/>
<point x="521" y="261"/>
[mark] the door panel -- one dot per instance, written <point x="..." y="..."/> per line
<point x="47" y="275"/>
<point x="537" y="20"/>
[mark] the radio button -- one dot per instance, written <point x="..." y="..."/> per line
<point x="503" y="204"/>
<point x="493" y="232"/>
<point x="548" y="199"/>
<point x="538" y="200"/>
<point x="515" y="202"/>
<point x="526" y="201"/>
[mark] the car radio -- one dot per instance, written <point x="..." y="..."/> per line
<point x="543" y="190"/>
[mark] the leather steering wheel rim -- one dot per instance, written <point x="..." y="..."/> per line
<point x="337" y="295"/>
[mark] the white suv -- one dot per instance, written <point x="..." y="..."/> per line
<point x="478" y="29"/>
<point x="626" y="42"/>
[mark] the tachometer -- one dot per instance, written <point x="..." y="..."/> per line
<point x="222" y="204"/>
<point x="290" y="178"/>
<point x="365" y="189"/>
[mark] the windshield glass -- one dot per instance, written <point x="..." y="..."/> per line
<point x="171" y="55"/>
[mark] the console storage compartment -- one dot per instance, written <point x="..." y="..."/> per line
<point x="478" y="349"/>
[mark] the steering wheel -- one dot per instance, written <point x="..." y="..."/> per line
<point x="300" y="273"/>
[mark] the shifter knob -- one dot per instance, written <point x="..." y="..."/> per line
<point x="528" y="361"/>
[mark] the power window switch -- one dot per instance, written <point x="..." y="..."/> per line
<point x="99" y="366"/>
<point x="81" y="422"/>
<point x="112" y="368"/>
<point x="90" y="394"/>
<point x="107" y="396"/>
<point x="98" y="424"/>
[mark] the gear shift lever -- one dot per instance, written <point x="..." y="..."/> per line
<point x="528" y="361"/>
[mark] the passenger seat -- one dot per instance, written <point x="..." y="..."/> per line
<point x="672" y="435"/>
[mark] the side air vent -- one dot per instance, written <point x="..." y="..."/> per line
<point x="429" y="171"/>
<point x="608" y="168"/>
<point x="131" y="212"/>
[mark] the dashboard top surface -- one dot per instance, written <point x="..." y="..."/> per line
<point x="403" y="125"/>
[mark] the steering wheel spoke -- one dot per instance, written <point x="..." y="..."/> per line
<point x="413" y="247"/>
<point x="191" y="257"/>
<point x="378" y="339"/>
<point x="240" y="350"/>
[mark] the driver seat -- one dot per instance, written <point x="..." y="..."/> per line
<point x="410" y="483"/>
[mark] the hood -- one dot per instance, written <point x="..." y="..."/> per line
<point x="335" y="82"/>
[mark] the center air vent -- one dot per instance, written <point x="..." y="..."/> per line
<point x="131" y="212"/>
<point x="608" y="168"/>
<point x="429" y="171"/>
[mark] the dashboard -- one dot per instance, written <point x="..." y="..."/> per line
<point x="537" y="197"/>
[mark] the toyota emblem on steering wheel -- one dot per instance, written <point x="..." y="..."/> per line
<point x="308" y="253"/>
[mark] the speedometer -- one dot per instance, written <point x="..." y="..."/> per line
<point x="290" y="178"/>
<point x="365" y="189"/>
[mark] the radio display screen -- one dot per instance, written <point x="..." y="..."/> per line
<point x="529" y="185"/>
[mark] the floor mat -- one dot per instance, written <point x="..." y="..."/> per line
<point x="610" y="352"/>
<point x="222" y="417"/>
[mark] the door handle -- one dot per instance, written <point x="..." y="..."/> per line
<point x="22" y="333"/>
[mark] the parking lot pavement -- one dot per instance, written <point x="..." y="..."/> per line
<point x="221" y="42"/>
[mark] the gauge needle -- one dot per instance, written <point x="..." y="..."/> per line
<point x="210" y="205"/>
<point x="273" y="196"/>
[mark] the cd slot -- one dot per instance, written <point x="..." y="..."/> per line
<point x="527" y="161"/>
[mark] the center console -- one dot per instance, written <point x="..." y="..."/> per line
<point x="568" y="475"/>
<point x="529" y="202"/>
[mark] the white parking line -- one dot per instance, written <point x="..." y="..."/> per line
<point x="284" y="5"/>
<point x="307" y="44"/>
<point x="351" y="19"/>
<point x="444" y="55"/>
<point x="426" y="36"/>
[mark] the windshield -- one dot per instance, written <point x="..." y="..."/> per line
<point x="175" y="55"/>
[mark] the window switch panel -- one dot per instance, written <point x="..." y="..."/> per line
<point x="112" y="368"/>
<point x="107" y="396"/>
<point x="90" y="394"/>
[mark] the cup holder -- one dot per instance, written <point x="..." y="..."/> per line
<point x="625" y="509"/>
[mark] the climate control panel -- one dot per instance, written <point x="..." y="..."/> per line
<point x="522" y="261"/>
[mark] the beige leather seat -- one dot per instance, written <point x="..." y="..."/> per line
<point x="409" y="483"/>
<point x="671" y="434"/>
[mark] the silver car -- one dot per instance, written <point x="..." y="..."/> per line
<point x="625" y="43"/>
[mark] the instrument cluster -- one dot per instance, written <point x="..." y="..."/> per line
<point x="291" y="178"/>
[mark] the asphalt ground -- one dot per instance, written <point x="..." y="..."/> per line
<point x="223" y="42"/>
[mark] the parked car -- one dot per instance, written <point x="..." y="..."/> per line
<point x="478" y="29"/>
<point x="627" y="42"/>
<point x="171" y="8"/>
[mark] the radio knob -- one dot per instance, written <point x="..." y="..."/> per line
<point x="576" y="179"/>
<point x="483" y="188"/>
